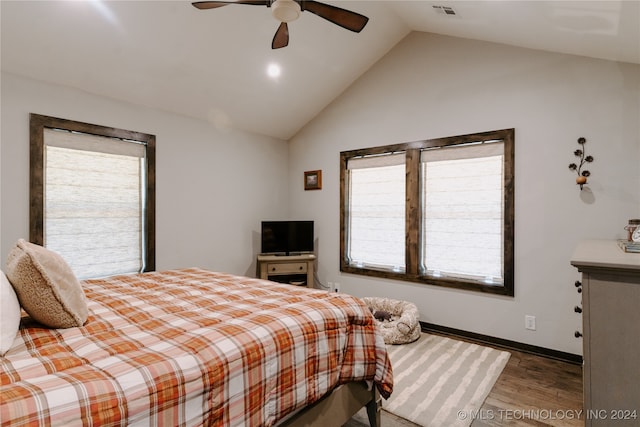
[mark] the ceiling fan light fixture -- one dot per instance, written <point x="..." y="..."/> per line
<point x="285" y="10"/>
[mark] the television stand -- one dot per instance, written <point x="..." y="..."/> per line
<point x="291" y="269"/>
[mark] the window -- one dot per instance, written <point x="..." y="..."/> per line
<point x="377" y="211"/>
<point x="93" y="196"/>
<point x="437" y="211"/>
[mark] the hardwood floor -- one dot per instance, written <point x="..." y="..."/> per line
<point x="534" y="391"/>
<point x="531" y="391"/>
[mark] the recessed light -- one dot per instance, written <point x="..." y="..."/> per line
<point x="274" y="70"/>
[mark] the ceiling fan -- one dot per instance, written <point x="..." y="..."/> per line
<point x="289" y="10"/>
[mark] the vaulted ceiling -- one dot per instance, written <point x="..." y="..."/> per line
<point x="213" y="64"/>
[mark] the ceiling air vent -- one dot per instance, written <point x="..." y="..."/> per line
<point x="444" y="10"/>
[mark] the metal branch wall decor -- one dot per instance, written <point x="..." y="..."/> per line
<point x="580" y="153"/>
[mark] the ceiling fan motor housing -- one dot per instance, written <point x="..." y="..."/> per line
<point x="285" y="10"/>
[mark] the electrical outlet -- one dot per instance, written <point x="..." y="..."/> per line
<point x="336" y="287"/>
<point x="530" y="322"/>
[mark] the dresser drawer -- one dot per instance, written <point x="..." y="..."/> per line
<point x="287" y="268"/>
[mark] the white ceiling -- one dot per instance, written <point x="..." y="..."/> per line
<point x="212" y="64"/>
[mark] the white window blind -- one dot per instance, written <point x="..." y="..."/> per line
<point x="462" y="223"/>
<point x="376" y="235"/>
<point x="94" y="199"/>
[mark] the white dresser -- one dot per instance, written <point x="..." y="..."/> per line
<point x="611" y="333"/>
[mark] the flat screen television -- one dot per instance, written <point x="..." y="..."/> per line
<point x="287" y="237"/>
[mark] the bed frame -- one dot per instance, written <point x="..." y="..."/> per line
<point x="339" y="406"/>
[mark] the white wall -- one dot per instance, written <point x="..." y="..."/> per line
<point x="432" y="86"/>
<point x="213" y="186"/>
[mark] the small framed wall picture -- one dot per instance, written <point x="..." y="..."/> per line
<point x="313" y="180"/>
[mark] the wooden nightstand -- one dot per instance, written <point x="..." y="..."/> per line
<point x="294" y="269"/>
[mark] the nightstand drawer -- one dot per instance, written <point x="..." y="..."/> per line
<point x="287" y="268"/>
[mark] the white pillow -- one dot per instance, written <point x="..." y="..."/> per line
<point x="9" y="314"/>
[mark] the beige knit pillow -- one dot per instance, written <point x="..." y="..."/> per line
<point x="46" y="286"/>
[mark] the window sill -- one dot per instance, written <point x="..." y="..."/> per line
<point x="469" y="285"/>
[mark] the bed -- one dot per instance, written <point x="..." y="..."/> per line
<point x="192" y="347"/>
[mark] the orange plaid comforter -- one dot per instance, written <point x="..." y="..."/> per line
<point x="188" y="348"/>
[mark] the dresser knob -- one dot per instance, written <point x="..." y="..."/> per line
<point x="577" y="284"/>
<point x="577" y="309"/>
<point x="300" y="267"/>
<point x="577" y="334"/>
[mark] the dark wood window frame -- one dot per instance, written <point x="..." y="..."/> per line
<point x="37" y="125"/>
<point x="412" y="151"/>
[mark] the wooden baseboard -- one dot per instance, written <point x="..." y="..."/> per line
<point x="507" y="344"/>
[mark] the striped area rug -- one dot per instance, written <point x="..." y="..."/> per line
<point x="440" y="382"/>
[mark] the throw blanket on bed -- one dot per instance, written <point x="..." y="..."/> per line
<point x="191" y="347"/>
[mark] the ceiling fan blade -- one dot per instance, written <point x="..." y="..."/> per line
<point x="345" y="18"/>
<point x="281" y="38"/>
<point x="202" y="5"/>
